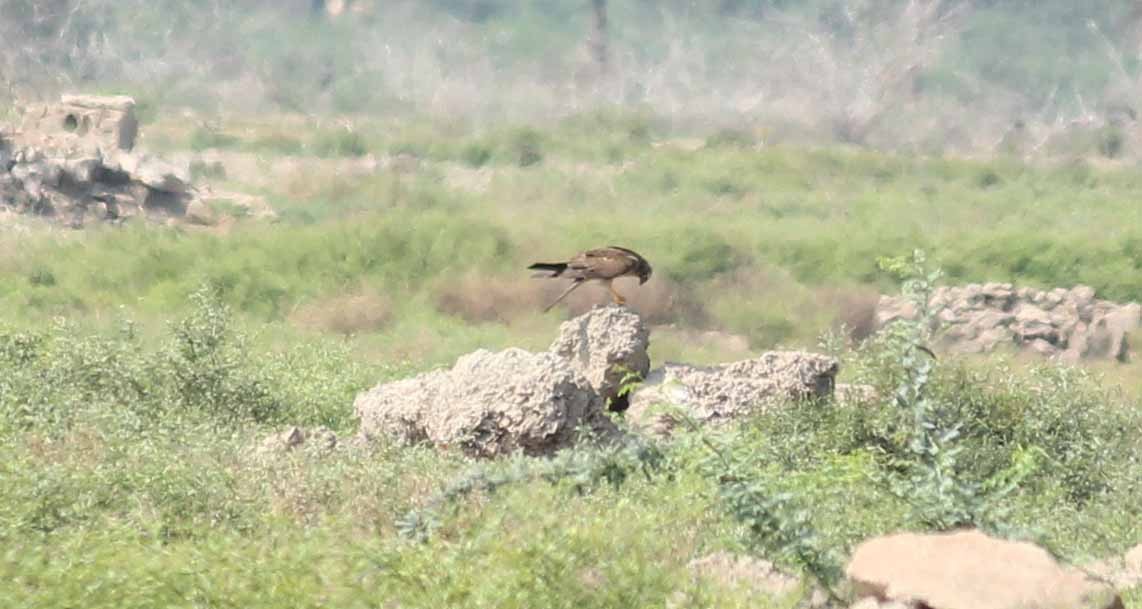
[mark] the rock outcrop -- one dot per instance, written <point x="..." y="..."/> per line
<point x="488" y="405"/>
<point x="491" y="404"/>
<point x="728" y="392"/>
<point x="1067" y="324"/>
<point x="606" y="345"/>
<point x="968" y="570"/>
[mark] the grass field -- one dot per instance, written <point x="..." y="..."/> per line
<point x="131" y="395"/>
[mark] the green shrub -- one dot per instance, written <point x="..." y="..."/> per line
<point x="42" y="277"/>
<point x="208" y="367"/>
<point x="55" y="374"/>
<point x="277" y="143"/>
<point x="526" y="146"/>
<point x="203" y="138"/>
<point x="696" y="254"/>
<point x="205" y="373"/>
<point x="732" y="138"/>
<point x="339" y="143"/>
<point x="200" y="170"/>
<point x="476" y="155"/>
<point x="1111" y="142"/>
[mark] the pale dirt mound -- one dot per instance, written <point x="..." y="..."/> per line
<point x="969" y="570"/>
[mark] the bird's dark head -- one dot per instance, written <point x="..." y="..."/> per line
<point x="644" y="271"/>
<point x="642" y="268"/>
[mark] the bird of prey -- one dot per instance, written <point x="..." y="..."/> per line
<point x="604" y="264"/>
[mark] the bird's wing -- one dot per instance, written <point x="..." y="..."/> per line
<point x="601" y="263"/>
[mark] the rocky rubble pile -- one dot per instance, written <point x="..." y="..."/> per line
<point x="75" y="161"/>
<point x="490" y="404"/>
<point x="1067" y="324"/>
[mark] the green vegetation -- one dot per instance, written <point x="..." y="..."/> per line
<point x="131" y="479"/>
<point x="776" y="244"/>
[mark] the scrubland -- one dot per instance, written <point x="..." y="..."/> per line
<point x="141" y="365"/>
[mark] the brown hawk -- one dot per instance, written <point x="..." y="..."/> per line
<point x="604" y="264"/>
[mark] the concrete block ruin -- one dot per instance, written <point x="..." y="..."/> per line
<point x="75" y="161"/>
<point x="81" y="124"/>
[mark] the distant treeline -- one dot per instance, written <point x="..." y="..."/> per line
<point x="846" y="67"/>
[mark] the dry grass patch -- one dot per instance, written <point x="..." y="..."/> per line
<point x="352" y="313"/>
<point x="852" y="306"/>
<point x="475" y="298"/>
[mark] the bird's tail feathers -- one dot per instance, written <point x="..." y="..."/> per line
<point x="552" y="269"/>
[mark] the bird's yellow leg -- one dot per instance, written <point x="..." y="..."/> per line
<point x="619" y="300"/>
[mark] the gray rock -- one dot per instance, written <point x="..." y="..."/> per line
<point x="1083" y="297"/>
<point x="990" y="319"/>
<point x="198" y="212"/>
<point x="155" y="173"/>
<point x="488" y="405"/>
<point x="1110" y="329"/>
<point x="1033" y="323"/>
<point x="718" y="394"/>
<point x="1043" y="347"/>
<point x="948" y="317"/>
<point x="120" y="103"/>
<point x="5" y="154"/>
<point x="998" y="295"/>
<point x="82" y="170"/>
<point x="318" y="439"/>
<point x="890" y="309"/>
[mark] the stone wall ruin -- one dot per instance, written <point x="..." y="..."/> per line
<point x="1066" y="324"/>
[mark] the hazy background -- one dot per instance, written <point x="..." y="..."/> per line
<point x="975" y="76"/>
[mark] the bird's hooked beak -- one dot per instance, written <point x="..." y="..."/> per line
<point x="645" y="276"/>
